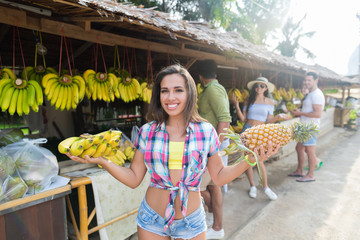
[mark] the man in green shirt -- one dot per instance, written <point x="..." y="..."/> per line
<point x="213" y="104"/>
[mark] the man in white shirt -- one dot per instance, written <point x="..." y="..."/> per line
<point x="312" y="108"/>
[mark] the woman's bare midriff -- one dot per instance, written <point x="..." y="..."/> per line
<point x="158" y="199"/>
<point x="253" y="122"/>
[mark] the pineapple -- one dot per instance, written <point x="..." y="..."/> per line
<point x="263" y="134"/>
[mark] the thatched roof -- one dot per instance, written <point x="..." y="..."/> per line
<point x="166" y="29"/>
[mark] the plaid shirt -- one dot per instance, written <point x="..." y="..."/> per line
<point x="201" y="142"/>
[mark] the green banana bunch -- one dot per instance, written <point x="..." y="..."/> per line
<point x="36" y="73"/>
<point x="19" y="95"/>
<point x="100" y="86"/>
<point x="65" y="92"/>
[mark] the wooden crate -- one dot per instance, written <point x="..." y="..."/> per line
<point x="337" y="116"/>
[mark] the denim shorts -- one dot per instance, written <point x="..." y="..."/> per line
<point x="311" y="141"/>
<point x="246" y="126"/>
<point x="186" y="228"/>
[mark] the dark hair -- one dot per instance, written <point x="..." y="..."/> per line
<point x="252" y="97"/>
<point x="155" y="110"/>
<point x="207" y="68"/>
<point x="313" y="74"/>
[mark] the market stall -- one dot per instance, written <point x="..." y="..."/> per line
<point x="94" y="52"/>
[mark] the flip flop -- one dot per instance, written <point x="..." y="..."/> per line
<point x="318" y="168"/>
<point x="295" y="175"/>
<point x="305" y="179"/>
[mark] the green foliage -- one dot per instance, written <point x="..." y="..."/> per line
<point x="292" y="33"/>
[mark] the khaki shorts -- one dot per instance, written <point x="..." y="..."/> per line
<point x="205" y="178"/>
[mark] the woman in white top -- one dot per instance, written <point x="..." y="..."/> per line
<point x="258" y="110"/>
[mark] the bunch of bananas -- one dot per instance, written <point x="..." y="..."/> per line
<point x="129" y="153"/>
<point x="234" y="92"/>
<point x="18" y="95"/>
<point x="129" y="88"/>
<point x="277" y="95"/>
<point x="290" y="106"/>
<point x="101" y="86"/>
<point x="287" y="96"/>
<point x="238" y="127"/>
<point x="199" y="88"/>
<point x="119" y="158"/>
<point x="146" y="92"/>
<point x="299" y="94"/>
<point x="65" y="92"/>
<point x="245" y="94"/>
<point x="36" y="73"/>
<point x="104" y="144"/>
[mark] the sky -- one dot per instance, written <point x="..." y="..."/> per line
<point x="337" y="31"/>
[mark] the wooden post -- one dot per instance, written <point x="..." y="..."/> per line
<point x="83" y="212"/>
<point x="342" y="109"/>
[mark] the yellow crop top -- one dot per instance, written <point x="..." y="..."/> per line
<point x="176" y="153"/>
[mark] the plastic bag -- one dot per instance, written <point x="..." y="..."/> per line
<point x="12" y="186"/>
<point x="36" y="165"/>
<point x="9" y="136"/>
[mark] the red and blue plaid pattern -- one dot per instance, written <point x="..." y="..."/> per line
<point x="201" y="142"/>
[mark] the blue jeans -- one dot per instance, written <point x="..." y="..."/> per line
<point x="186" y="228"/>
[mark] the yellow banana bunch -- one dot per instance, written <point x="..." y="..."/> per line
<point x="299" y="94"/>
<point x="238" y="128"/>
<point x="146" y="92"/>
<point x="285" y="95"/>
<point x="292" y="93"/>
<point x="129" y="153"/>
<point x="290" y="106"/>
<point x="245" y="94"/>
<point x="118" y="158"/>
<point x="101" y="86"/>
<point x="18" y="95"/>
<point x="129" y="89"/>
<point x="104" y="144"/>
<point x="199" y="88"/>
<point x="36" y="73"/>
<point x="277" y="95"/>
<point x="235" y="92"/>
<point x="65" y="92"/>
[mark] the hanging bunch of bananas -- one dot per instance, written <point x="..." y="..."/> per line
<point x="146" y="92"/>
<point x="299" y="94"/>
<point x="101" y="86"/>
<point x="277" y="95"/>
<point x="245" y="94"/>
<point x="105" y="144"/>
<point x="287" y="96"/>
<point x="199" y="88"/>
<point x="292" y="93"/>
<point x="129" y="88"/>
<point x="37" y="73"/>
<point x="19" y="95"/>
<point x="235" y="92"/>
<point x="65" y="92"/>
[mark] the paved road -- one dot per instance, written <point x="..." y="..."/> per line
<point x="328" y="208"/>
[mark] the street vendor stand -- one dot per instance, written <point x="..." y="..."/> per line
<point x="39" y="216"/>
<point x="115" y="208"/>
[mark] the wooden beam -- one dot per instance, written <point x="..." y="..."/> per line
<point x="70" y="3"/>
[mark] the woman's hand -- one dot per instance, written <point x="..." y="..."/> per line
<point x="234" y="99"/>
<point x="262" y="155"/>
<point x="87" y="159"/>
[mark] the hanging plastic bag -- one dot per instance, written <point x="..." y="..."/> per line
<point x="36" y="165"/>
<point x="12" y="186"/>
<point x="134" y="133"/>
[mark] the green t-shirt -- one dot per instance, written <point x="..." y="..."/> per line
<point x="213" y="103"/>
